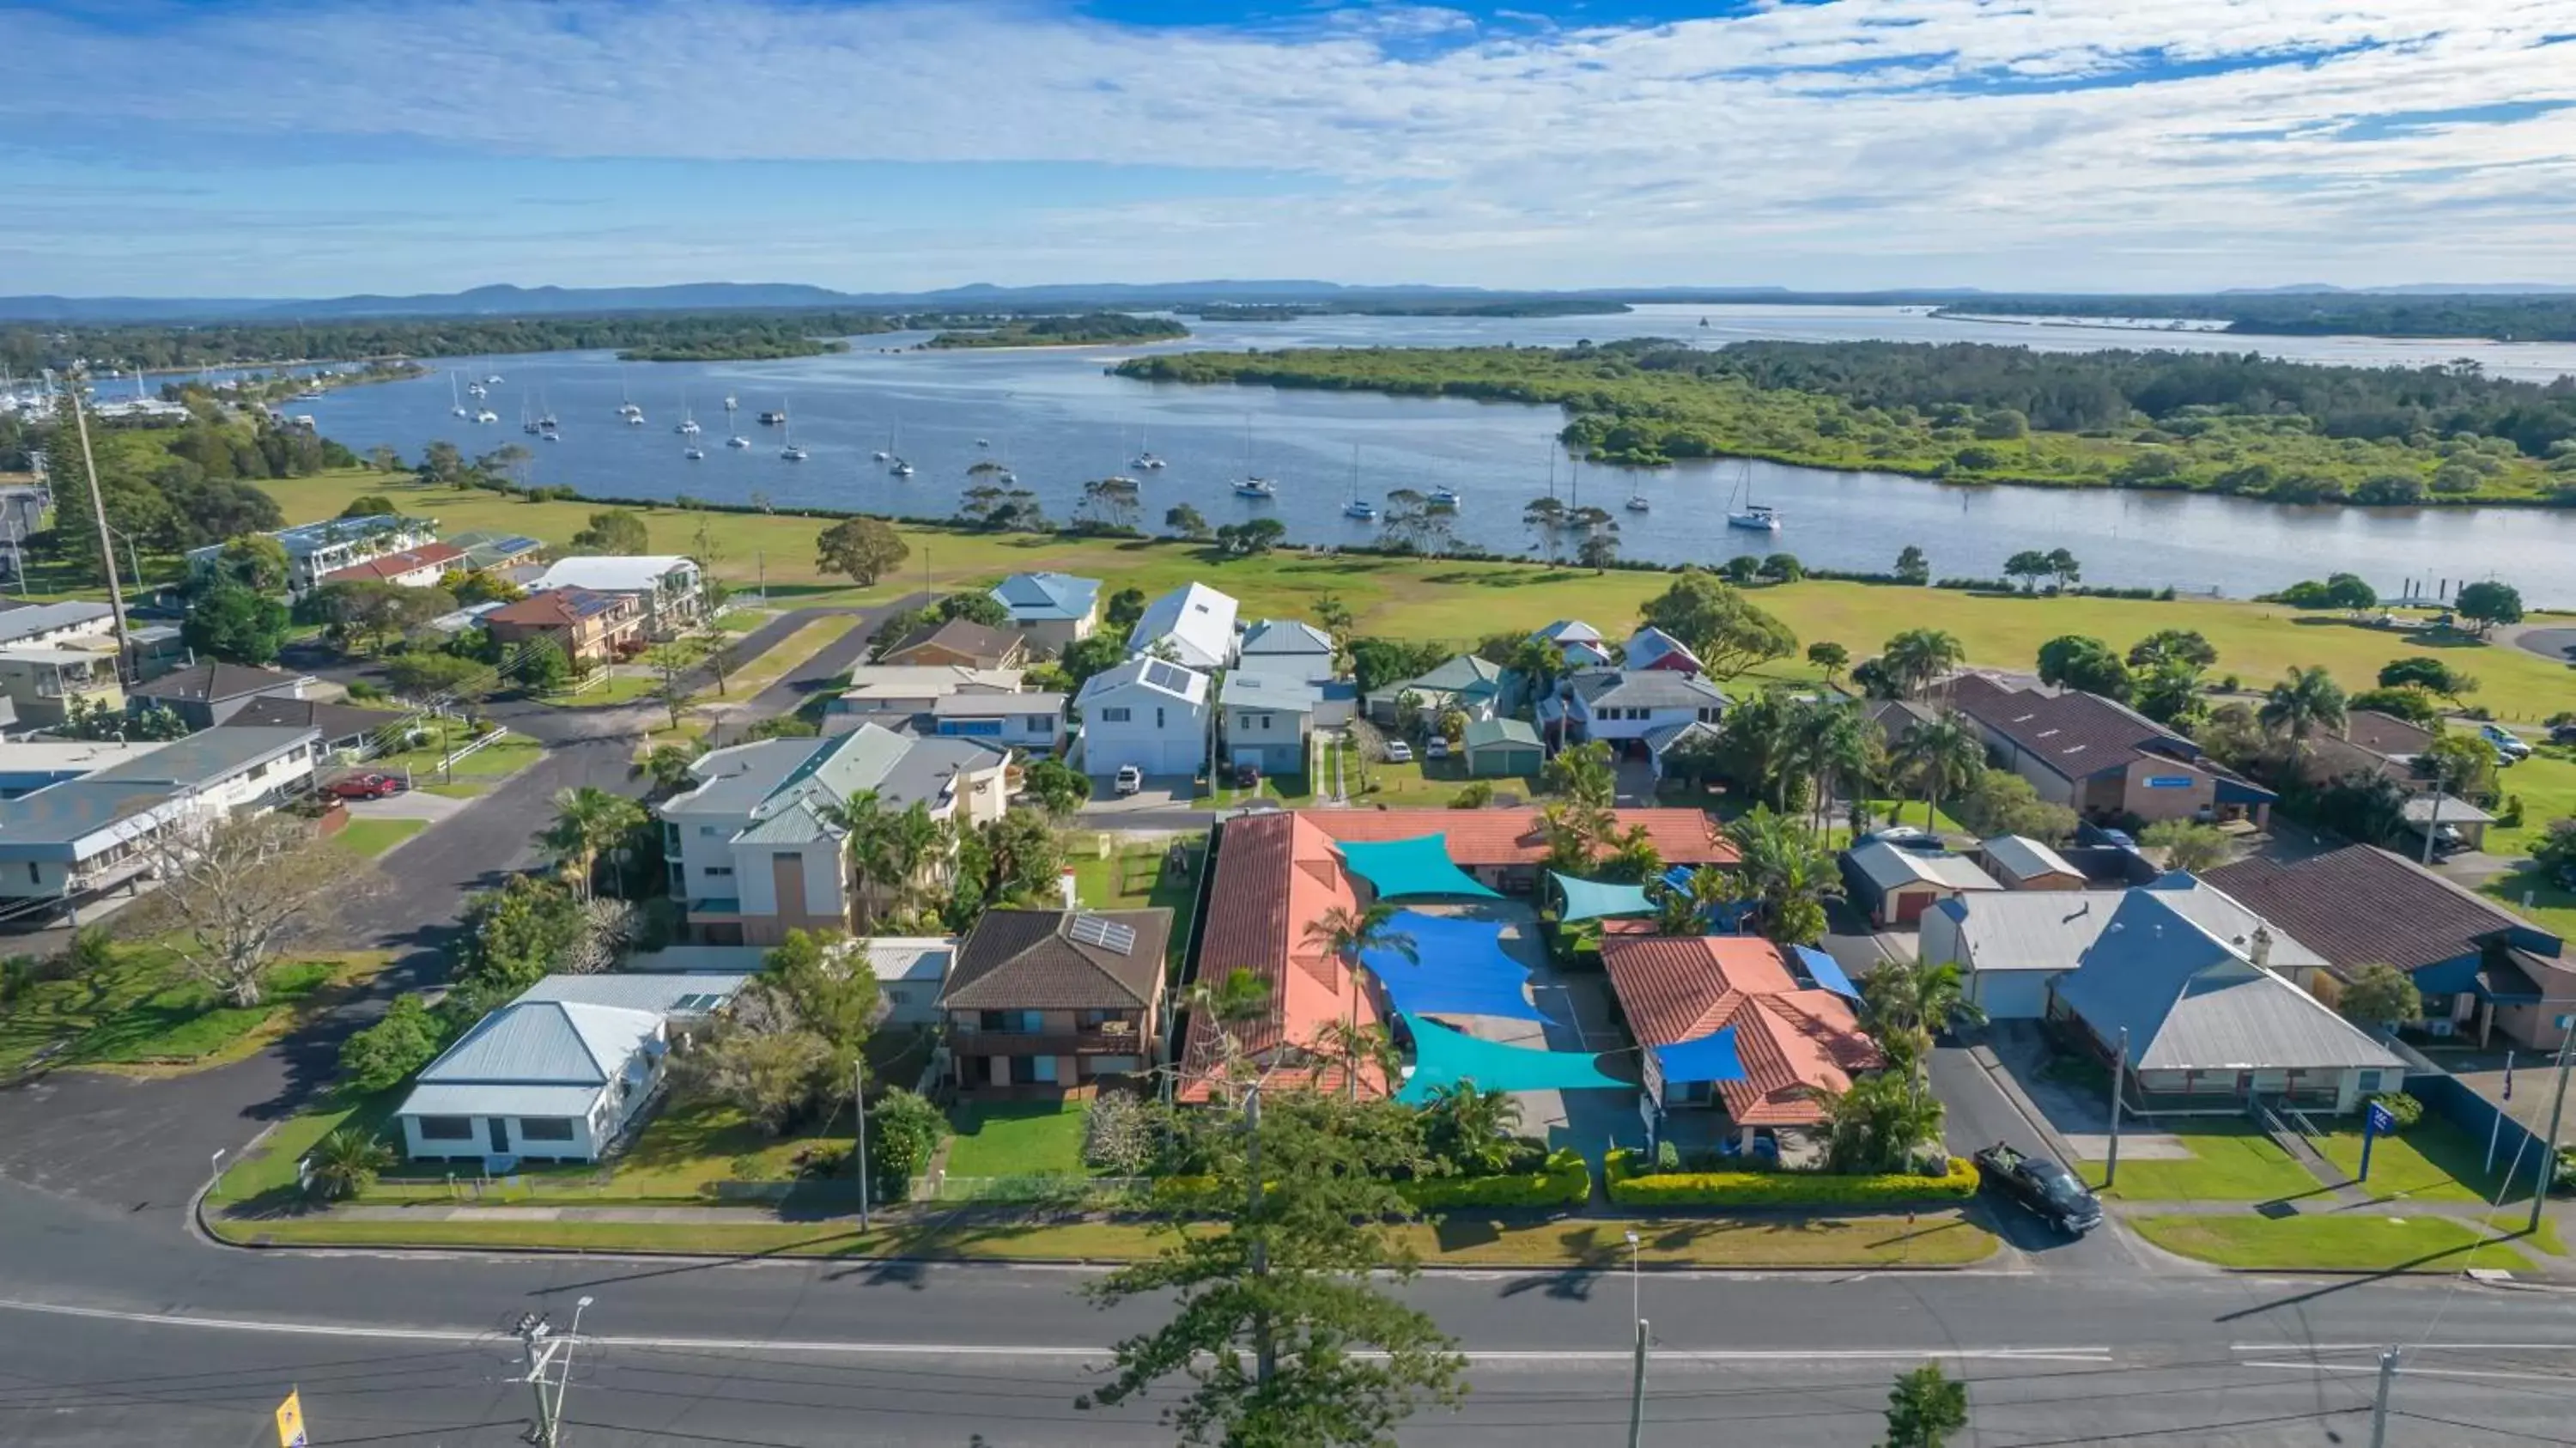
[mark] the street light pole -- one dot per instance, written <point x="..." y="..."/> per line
<point x="2549" y="1149"/>
<point x="2119" y="1068"/>
<point x="859" y="1110"/>
<point x="2379" y="1404"/>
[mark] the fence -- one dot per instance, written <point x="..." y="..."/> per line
<point x="1052" y="1187"/>
<point x="2513" y="1147"/>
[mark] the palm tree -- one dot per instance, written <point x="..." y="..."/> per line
<point x="1786" y="866"/>
<point x="1877" y="1124"/>
<point x="1917" y="656"/>
<point x="1346" y="934"/>
<point x="1359" y="1048"/>
<point x="1755" y="741"/>
<point x="862" y="823"/>
<point x="908" y="842"/>
<point x="1944" y="755"/>
<point x="1470" y="1127"/>
<point x="345" y="1163"/>
<point x="1684" y="911"/>
<point x="2302" y="702"/>
<point x="588" y="821"/>
<point x="1830" y="746"/>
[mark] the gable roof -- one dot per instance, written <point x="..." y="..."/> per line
<point x="1267" y="691"/>
<point x="1793" y="1042"/>
<point x="1047" y="597"/>
<point x="1888" y="868"/>
<point x="486" y="549"/>
<point x="558" y="608"/>
<point x="608" y="573"/>
<point x="961" y="635"/>
<point x="1487" y="731"/>
<point x="329" y="719"/>
<point x="2384" y="733"/>
<point x="1169" y="679"/>
<point x="1569" y="631"/>
<point x="214" y="681"/>
<point x="1197" y="619"/>
<point x="2073" y="735"/>
<point x="663" y="992"/>
<point x="2190" y="1002"/>
<point x="1643" y="689"/>
<point x="1032" y="960"/>
<point x="1287" y="636"/>
<point x="27" y="620"/>
<point x="205" y="756"/>
<point x="441" y="556"/>
<point x="545" y="1043"/>
<point x="2026" y="857"/>
<point x="2361" y="905"/>
<point x="2050" y="929"/>
<point x="1464" y="674"/>
<point x="1650" y="646"/>
<point x="1275" y="874"/>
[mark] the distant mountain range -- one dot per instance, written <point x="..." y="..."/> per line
<point x="515" y="301"/>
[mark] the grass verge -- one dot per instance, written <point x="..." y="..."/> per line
<point x="1932" y="1239"/>
<point x="2227" y="1164"/>
<point x="142" y="1010"/>
<point x="370" y="838"/>
<point x="2431" y="1161"/>
<point x="2331" y="1244"/>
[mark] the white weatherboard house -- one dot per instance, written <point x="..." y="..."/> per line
<point x="1147" y="713"/>
<point x="559" y="1073"/>
<point x="1195" y="620"/>
<point x="1625" y="706"/>
<point x="1268" y="721"/>
<point x="314" y="549"/>
<point x="668" y="586"/>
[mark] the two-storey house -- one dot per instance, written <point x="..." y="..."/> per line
<point x="1044" y="1003"/>
<point x="1193" y="625"/>
<point x="1146" y="713"/>
<point x="589" y="627"/>
<point x="1053" y="609"/>
<point x="1627" y="706"/>
<point x="1268" y="719"/>
<point x="668" y="589"/>
<point x="1031" y="721"/>
<point x="316" y="549"/>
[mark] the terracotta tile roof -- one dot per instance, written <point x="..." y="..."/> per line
<point x="559" y="608"/>
<point x="1794" y="1043"/>
<point x="2360" y="906"/>
<point x="1030" y="960"/>
<point x="428" y="555"/>
<point x="1275" y="875"/>
<point x="1514" y="837"/>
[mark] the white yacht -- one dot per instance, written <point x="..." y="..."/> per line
<point x="1637" y="503"/>
<point x="737" y="440"/>
<point x="694" y="454"/>
<point x="477" y="389"/>
<point x="731" y="405"/>
<point x="455" y="404"/>
<point x="1749" y="515"/>
<point x="1445" y="499"/>
<point x="1256" y="488"/>
<point x="487" y="415"/>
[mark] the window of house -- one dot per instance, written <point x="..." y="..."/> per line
<point x="724" y="872"/>
<point x="679" y="877"/>
<point x="897" y="995"/>
<point x="1116" y="716"/>
<point x="708" y="832"/>
<point x="445" y="1128"/>
<point x="1041" y="723"/>
<point x="2366" y="1081"/>
<point x="259" y="771"/>
<point x="1158" y="716"/>
<point x="545" y="1128"/>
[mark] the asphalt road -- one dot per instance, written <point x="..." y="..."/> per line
<point x="114" y="1331"/>
<point x="143" y="1145"/>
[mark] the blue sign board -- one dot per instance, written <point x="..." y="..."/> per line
<point x="2382" y="1121"/>
<point x="2170" y="781"/>
<point x="2376" y="1122"/>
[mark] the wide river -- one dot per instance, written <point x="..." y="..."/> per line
<point x="1057" y="419"/>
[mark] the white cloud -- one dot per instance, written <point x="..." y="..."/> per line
<point x="2067" y="142"/>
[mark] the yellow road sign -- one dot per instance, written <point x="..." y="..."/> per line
<point x="290" y="1421"/>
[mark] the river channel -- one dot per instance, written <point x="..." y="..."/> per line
<point x="1056" y="419"/>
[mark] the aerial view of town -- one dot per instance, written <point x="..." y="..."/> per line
<point x="782" y="723"/>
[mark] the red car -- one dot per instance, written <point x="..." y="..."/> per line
<point x="365" y="786"/>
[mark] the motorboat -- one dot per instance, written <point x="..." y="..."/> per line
<point x="1256" y="488"/>
<point x="494" y="379"/>
<point x="477" y="389"/>
<point x="1361" y="509"/>
<point x="901" y="469"/>
<point x="1149" y="462"/>
<point x="730" y="404"/>
<point x="551" y="436"/>
<point x="737" y="440"/>
<point x="634" y="419"/>
<point x="487" y="415"/>
<point x="773" y="419"/>
<point x="1444" y="499"/>
<point x="883" y="456"/>
<point x="687" y="427"/>
<point x="792" y="453"/>
<point x="694" y="454"/>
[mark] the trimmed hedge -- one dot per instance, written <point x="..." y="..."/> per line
<point x="1782" y="1188"/>
<point x="1565" y="1181"/>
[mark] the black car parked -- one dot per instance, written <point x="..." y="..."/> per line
<point x="2039" y="1183"/>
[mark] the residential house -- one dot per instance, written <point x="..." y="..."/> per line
<point x="1897" y="719"/>
<point x="42" y="684"/>
<point x="1624" y="706"/>
<point x="2103" y="759"/>
<point x="2369" y="743"/>
<point x="28" y="765"/>
<point x="560" y="1074"/>
<point x="1031" y="721"/>
<point x="1471" y="685"/>
<point x="1268" y="721"/>
<point x="1798" y="1044"/>
<point x="341" y="728"/>
<point x="80" y="838"/>
<point x="1275" y="875"/>
<point x="55" y="625"/>
<point x="1502" y="748"/>
<point x="2020" y="863"/>
<point x="1053" y="610"/>
<point x="1146" y="713"/>
<point x="1294" y="649"/>
<point x="1652" y="648"/>
<point x="911" y="972"/>
<point x="2484" y="971"/>
<point x="2208" y="1030"/>
<point x="2012" y="945"/>
<point x="960" y="643"/>
<point x="314" y="550"/>
<point x="22" y="514"/>
<point x="488" y="552"/>
<point x="420" y="567"/>
<point x="670" y="590"/>
<point x="1661" y="740"/>
<point x="589" y="627"/>
<point x="1052" y="1002"/>
<point x="1503" y="848"/>
<point x="1193" y="624"/>
<point x="896" y="695"/>
<point x="1578" y="642"/>
<point x="751" y="850"/>
<point x="1896" y="886"/>
<point x="213" y="691"/>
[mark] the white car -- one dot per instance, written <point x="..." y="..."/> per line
<point x="1398" y="752"/>
<point x="1438" y="748"/>
<point x="2505" y="742"/>
<point x="1129" y="779"/>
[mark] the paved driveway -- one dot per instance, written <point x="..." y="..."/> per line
<point x="1577" y="1005"/>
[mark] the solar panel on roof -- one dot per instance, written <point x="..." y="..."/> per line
<point x="1167" y="676"/>
<point x="1107" y="934"/>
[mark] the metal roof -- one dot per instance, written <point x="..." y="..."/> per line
<point x="928" y="768"/>
<point x="1888" y="868"/>
<point x="28" y="620"/>
<point x="2026" y="857"/>
<point x="1488" y="732"/>
<point x="1463" y="674"/>
<point x="476" y="1099"/>
<point x="65" y="814"/>
<point x="1267" y="691"/>
<point x="1047" y="597"/>
<point x="2190" y="1002"/>
<point x="1198" y="620"/>
<point x="1286" y="636"/>
<point x="661" y="992"/>
<point x="214" y="681"/>
<point x="1650" y="645"/>
<point x="610" y="574"/>
<point x="1644" y="689"/>
<point x="545" y="1043"/>
<point x="1172" y="680"/>
<point x="2418" y="810"/>
<point x="207" y="755"/>
<point x="984" y="705"/>
<point x="2049" y="929"/>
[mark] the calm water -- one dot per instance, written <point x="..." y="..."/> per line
<point x="1056" y="419"/>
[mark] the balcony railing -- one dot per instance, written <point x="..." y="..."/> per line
<point x="1115" y="1038"/>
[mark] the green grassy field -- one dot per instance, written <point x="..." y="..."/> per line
<point x="2429" y="1161"/>
<point x="470" y="776"/>
<point x="143" y="1010"/>
<point x="2227" y="1164"/>
<point x="370" y="838"/>
<point x="1016" y="1139"/>
<point x="1463" y="601"/>
<point x="2331" y="1244"/>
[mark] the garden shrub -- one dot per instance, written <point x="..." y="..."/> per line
<point x="1782" y="1188"/>
<point x="2406" y="1109"/>
<point x="1563" y="1180"/>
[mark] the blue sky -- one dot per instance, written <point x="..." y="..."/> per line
<point x="253" y="147"/>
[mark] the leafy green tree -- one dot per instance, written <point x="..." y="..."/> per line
<point x="904" y="1132"/>
<point x="95" y="718"/>
<point x="254" y="561"/>
<point x="2379" y="997"/>
<point x="830" y="990"/>
<point x="2169" y="692"/>
<point x="1058" y="787"/>
<point x="1252" y="539"/>
<point x="860" y="549"/>
<point x="2556" y="852"/>
<point x="2462" y="764"/>
<point x="1584" y="774"/>
<point x="1831" y="657"/>
<point x="1912" y="567"/>
<point x="1187" y="522"/>
<point x="1726" y="631"/>
<point x="2077" y="662"/>
<point x="1916" y="657"/>
<point x="234" y="891"/>
<point x="1085" y="657"/>
<point x="2425" y="672"/>
<point x="385" y="1055"/>
<point x="613" y="530"/>
<point x="2063" y="569"/>
<point x="588" y="822"/>
<point x="668" y="765"/>
<point x="419" y="675"/>
<point x="2000" y="802"/>
<point x="2188" y="845"/>
<point x="1469" y="1128"/>
<point x="2168" y="645"/>
<point x="1879" y="1123"/>
<point x="514" y="937"/>
<point x="230" y="622"/>
<point x="347" y="1161"/>
<point x="1925" y="1408"/>
<point x="2411" y="702"/>
<point x="2305" y="701"/>
<point x="1280" y="1323"/>
<point x="2030" y="565"/>
<point x="974" y="606"/>
<point x="2487" y="604"/>
<point x="1942" y="755"/>
<point x="369" y="505"/>
<point x="1788" y="869"/>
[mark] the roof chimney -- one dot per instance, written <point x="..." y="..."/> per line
<point x="2262" y="955"/>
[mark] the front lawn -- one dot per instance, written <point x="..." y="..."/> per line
<point x="1424" y="782"/>
<point x="2227" y="1164"/>
<point x="142" y="1009"/>
<point x="1016" y="1139"/>
<point x="372" y="837"/>
<point x="1292" y="791"/>
<point x="471" y="776"/>
<point x="2431" y="1160"/>
<point x="635" y="682"/>
<point x="2330" y="1244"/>
<point x="270" y="1166"/>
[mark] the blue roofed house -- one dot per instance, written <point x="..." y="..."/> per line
<point x="1293" y="648"/>
<point x="1472" y="686"/>
<point x="560" y="1073"/>
<point x="1053" y="610"/>
<point x="2209" y="1031"/>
